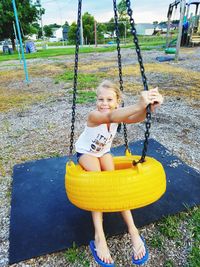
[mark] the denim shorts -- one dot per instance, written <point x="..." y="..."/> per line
<point x="78" y="155"/>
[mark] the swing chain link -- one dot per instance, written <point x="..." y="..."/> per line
<point x="120" y="68"/>
<point x="144" y="80"/>
<point x="75" y="77"/>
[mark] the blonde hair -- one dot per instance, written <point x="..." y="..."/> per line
<point x="106" y="84"/>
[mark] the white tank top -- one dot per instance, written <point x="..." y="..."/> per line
<point x="96" y="141"/>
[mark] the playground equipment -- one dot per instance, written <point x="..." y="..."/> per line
<point x="193" y="29"/>
<point x="170" y="50"/>
<point x="189" y="25"/>
<point x="20" y="40"/>
<point x="137" y="180"/>
<point x="7" y="49"/>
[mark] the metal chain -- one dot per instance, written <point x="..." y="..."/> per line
<point x="144" y="80"/>
<point x="120" y="67"/>
<point x="75" y="76"/>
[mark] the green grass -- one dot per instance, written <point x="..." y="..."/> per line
<point x="75" y="256"/>
<point x="86" y="97"/>
<point x="169" y="227"/>
<point x="86" y="84"/>
<point x="146" y="43"/>
<point x="168" y="263"/>
<point x="157" y="241"/>
<point x="193" y="218"/>
<point x="85" y="80"/>
<point x="45" y="53"/>
<point x="72" y="253"/>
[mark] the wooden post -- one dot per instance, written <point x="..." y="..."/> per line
<point x="81" y="32"/>
<point x="182" y="12"/>
<point x="168" y="30"/>
<point x="95" y="33"/>
<point x="17" y="42"/>
<point x="125" y="32"/>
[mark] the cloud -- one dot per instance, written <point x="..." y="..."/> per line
<point x="60" y="11"/>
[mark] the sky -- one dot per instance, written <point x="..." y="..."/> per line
<point x="59" y="11"/>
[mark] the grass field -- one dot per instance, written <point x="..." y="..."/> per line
<point x="146" y="44"/>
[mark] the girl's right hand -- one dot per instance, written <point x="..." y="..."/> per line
<point x="152" y="97"/>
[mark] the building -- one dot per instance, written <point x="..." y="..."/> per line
<point x="145" y="28"/>
<point x="57" y="35"/>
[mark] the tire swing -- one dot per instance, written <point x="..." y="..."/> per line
<point x="137" y="180"/>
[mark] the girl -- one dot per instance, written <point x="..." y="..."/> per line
<point x="93" y="154"/>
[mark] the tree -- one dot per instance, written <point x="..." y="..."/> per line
<point x="101" y="29"/>
<point x="48" y="31"/>
<point x="72" y="33"/>
<point x="123" y="17"/>
<point x="36" y="29"/>
<point x="88" y="28"/>
<point x="54" y="25"/>
<point x="121" y="7"/>
<point x="27" y="14"/>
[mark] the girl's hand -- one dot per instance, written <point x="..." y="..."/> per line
<point x="152" y="97"/>
<point x="157" y="99"/>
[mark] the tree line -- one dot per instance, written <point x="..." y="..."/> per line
<point x="30" y="12"/>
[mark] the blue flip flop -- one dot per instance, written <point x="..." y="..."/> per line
<point x="144" y="259"/>
<point x="97" y="259"/>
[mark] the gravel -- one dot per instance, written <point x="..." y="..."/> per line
<point x="42" y="129"/>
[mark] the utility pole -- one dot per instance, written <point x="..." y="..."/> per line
<point x="38" y="4"/>
<point x="124" y="32"/>
<point x="95" y="33"/>
<point x="42" y="25"/>
<point x="182" y="12"/>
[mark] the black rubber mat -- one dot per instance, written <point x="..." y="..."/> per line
<point x="44" y="221"/>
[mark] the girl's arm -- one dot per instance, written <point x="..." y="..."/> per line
<point x="141" y="115"/>
<point x="117" y="115"/>
<point x="130" y="114"/>
<point x="137" y="117"/>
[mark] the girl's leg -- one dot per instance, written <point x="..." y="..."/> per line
<point x="107" y="163"/>
<point x="90" y="163"/>
<point x="138" y="245"/>
<point x="100" y="240"/>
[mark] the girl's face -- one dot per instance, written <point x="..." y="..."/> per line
<point x="106" y="100"/>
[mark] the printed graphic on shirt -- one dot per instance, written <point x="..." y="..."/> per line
<point x="100" y="142"/>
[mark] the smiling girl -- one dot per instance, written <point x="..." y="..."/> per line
<point x="93" y="154"/>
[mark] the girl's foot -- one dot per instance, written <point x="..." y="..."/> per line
<point x="138" y="245"/>
<point x="102" y="251"/>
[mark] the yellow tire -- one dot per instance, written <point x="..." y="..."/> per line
<point x="127" y="187"/>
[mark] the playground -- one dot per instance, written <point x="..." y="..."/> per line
<point x="35" y="124"/>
